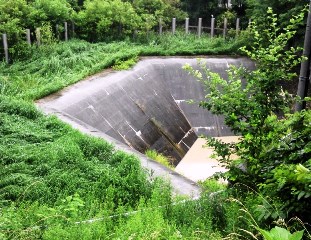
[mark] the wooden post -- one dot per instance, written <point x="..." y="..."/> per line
<point x="173" y="25"/>
<point x="73" y="29"/>
<point x="38" y="36"/>
<point x="237" y="29"/>
<point x="212" y="27"/>
<point x="225" y="27"/>
<point x="134" y="34"/>
<point x="28" y="37"/>
<point x="160" y="26"/>
<point x="120" y="29"/>
<point x="5" y="47"/>
<point x="66" y="31"/>
<point x="200" y="27"/>
<point x="187" y="26"/>
<point x="57" y="31"/>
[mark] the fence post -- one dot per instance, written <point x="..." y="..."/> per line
<point x="73" y="29"/>
<point x="5" y="47"/>
<point x="66" y="31"/>
<point x="237" y="27"/>
<point x="212" y="27"/>
<point x="173" y="25"/>
<point x="187" y="26"/>
<point x="160" y="26"/>
<point x="57" y="31"/>
<point x="225" y="27"/>
<point x="38" y="36"/>
<point x="200" y="27"/>
<point x="28" y="36"/>
<point x="134" y="34"/>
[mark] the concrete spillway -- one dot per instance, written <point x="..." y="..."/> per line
<point x="145" y="107"/>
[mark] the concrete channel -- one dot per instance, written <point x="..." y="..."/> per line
<point x="145" y="108"/>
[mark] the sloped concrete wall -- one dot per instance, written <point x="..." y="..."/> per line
<point x="146" y="107"/>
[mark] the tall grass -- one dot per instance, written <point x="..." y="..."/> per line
<point x="41" y="156"/>
<point x="161" y="216"/>
<point x="53" y="67"/>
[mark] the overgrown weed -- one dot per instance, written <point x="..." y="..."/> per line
<point x="57" y="65"/>
<point x="160" y="158"/>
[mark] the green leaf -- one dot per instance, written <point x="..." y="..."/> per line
<point x="296" y="235"/>
<point x="267" y="235"/>
<point x="301" y="194"/>
<point x="280" y="233"/>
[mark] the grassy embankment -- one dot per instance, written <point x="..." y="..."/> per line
<point x="52" y="176"/>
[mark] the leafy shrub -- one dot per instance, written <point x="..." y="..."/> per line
<point x="45" y="33"/>
<point x="270" y="150"/>
<point x="53" y="12"/>
<point x="100" y="20"/>
<point x="231" y="18"/>
<point x="125" y="64"/>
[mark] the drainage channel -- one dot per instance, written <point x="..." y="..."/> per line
<point x="145" y="108"/>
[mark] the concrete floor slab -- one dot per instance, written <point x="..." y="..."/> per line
<point x="198" y="165"/>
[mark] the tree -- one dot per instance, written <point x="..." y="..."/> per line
<point x="164" y="9"/>
<point x="14" y="16"/>
<point x="274" y="154"/>
<point x="54" y="12"/>
<point x="101" y="18"/>
<point x="285" y="9"/>
<point x="203" y="9"/>
<point x="239" y="6"/>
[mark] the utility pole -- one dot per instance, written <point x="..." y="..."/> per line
<point x="304" y="75"/>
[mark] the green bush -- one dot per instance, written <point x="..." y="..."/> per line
<point x="102" y="20"/>
<point x="53" y="12"/>
<point x="125" y="64"/>
<point x="274" y="154"/>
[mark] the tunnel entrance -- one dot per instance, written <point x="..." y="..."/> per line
<point x="146" y="107"/>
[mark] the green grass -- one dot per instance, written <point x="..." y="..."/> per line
<point x="158" y="157"/>
<point x="52" y="176"/>
<point x="41" y="156"/>
<point x="56" y="66"/>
